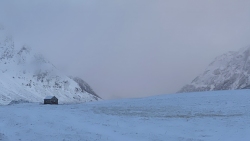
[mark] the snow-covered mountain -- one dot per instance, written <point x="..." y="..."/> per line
<point x="27" y="76"/>
<point x="227" y="72"/>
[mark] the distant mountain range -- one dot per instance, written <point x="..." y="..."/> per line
<point x="27" y="76"/>
<point x="229" y="71"/>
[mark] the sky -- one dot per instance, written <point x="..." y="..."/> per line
<point x="129" y="48"/>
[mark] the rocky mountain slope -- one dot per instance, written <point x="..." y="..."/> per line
<point x="27" y="76"/>
<point x="227" y="72"/>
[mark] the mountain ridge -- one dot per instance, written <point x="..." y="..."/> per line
<point x="28" y="76"/>
<point x="229" y="71"/>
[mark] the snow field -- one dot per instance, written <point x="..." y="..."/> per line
<point x="207" y="116"/>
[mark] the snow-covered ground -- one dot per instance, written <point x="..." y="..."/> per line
<point x="207" y="116"/>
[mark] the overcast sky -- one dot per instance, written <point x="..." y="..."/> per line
<point x="129" y="48"/>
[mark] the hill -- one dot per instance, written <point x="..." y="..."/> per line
<point x="28" y="76"/>
<point x="229" y="71"/>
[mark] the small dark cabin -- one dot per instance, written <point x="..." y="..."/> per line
<point x="50" y="100"/>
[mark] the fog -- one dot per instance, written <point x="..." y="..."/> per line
<point x="129" y="48"/>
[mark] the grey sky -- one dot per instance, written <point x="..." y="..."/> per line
<point x="130" y="48"/>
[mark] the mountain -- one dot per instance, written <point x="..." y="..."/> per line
<point x="27" y="76"/>
<point x="229" y="71"/>
<point x="85" y="86"/>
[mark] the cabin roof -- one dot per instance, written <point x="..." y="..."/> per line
<point x="48" y="97"/>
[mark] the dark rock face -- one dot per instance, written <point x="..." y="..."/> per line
<point x="84" y="86"/>
<point x="227" y="72"/>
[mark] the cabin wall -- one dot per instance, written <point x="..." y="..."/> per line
<point x="53" y="100"/>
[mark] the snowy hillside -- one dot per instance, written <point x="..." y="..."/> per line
<point x="28" y="76"/>
<point x="206" y="116"/>
<point x="227" y="72"/>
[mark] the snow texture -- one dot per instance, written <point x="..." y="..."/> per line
<point x="227" y="72"/>
<point x="28" y="76"/>
<point x="205" y="116"/>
